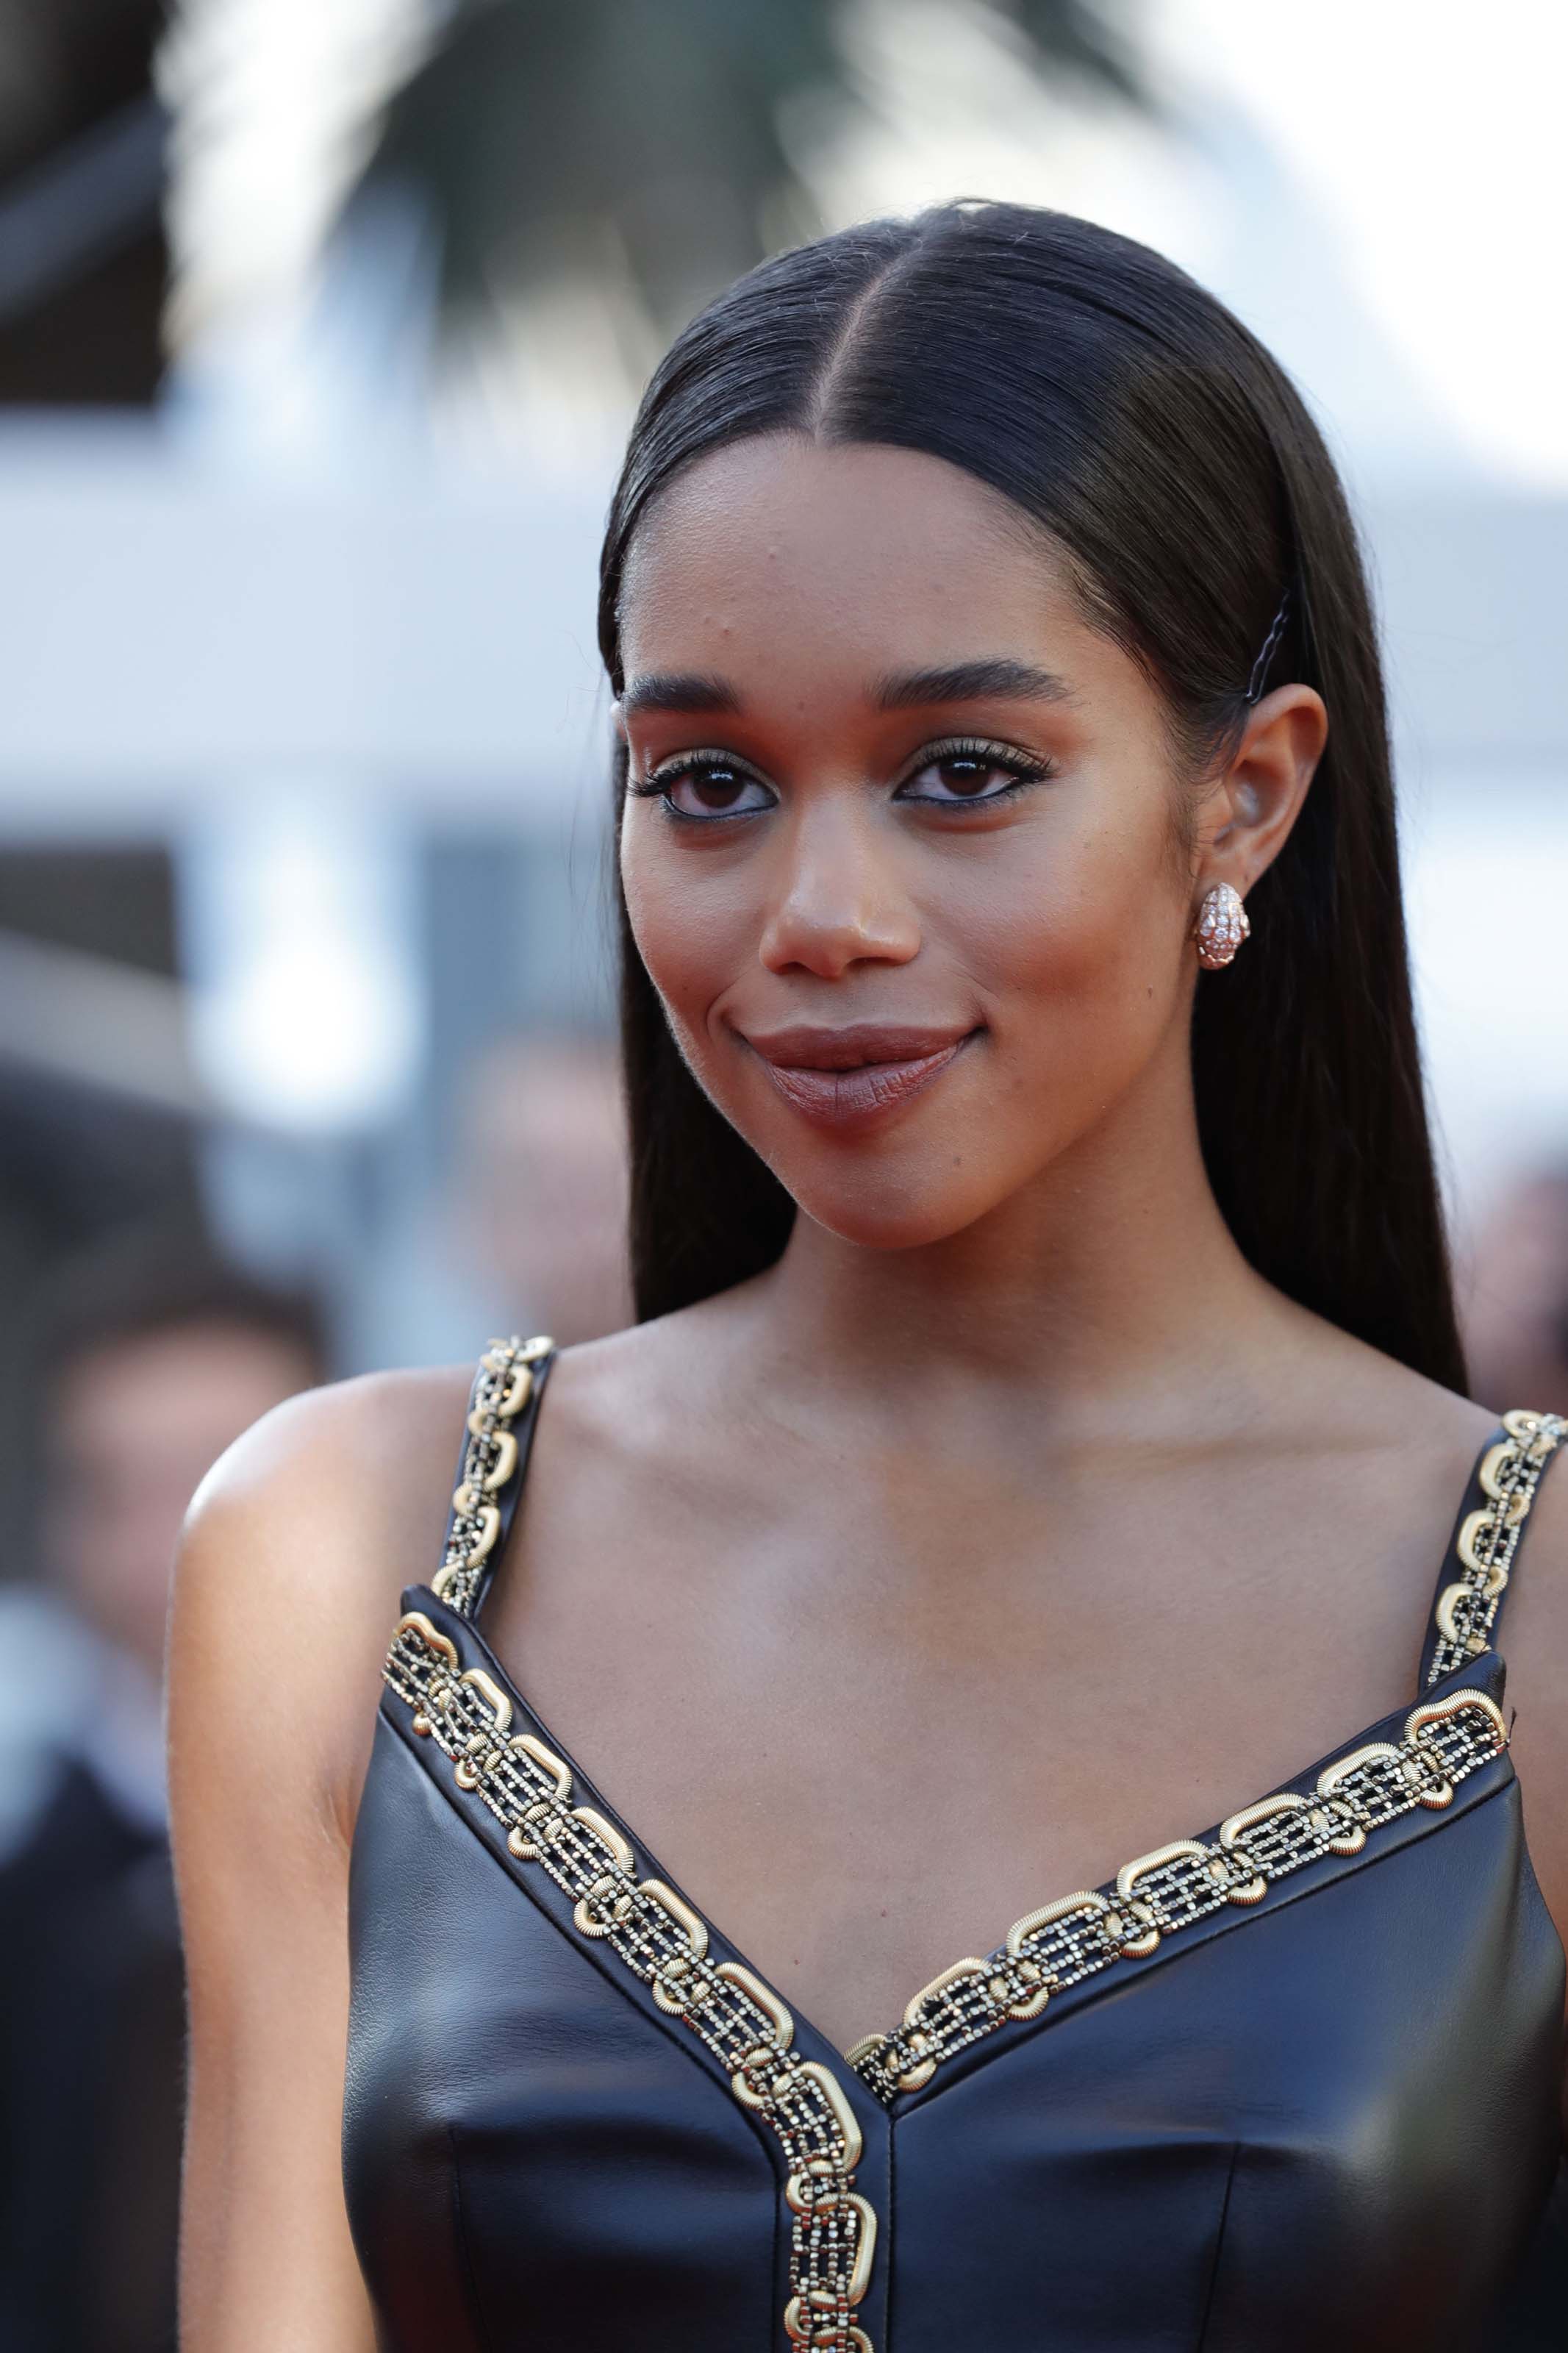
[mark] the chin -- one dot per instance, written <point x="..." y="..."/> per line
<point x="876" y="1211"/>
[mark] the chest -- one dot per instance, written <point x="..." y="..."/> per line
<point x="1240" y="2138"/>
<point x="872" y="1721"/>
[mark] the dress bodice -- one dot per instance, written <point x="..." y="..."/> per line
<point x="1286" y="2084"/>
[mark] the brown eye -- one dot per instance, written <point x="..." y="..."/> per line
<point x="966" y="779"/>
<point x="968" y="773"/>
<point x="710" y="788"/>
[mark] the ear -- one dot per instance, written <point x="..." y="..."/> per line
<point x="1246" y="813"/>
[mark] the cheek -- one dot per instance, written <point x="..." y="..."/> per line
<point x="694" y="933"/>
<point x="1081" y="932"/>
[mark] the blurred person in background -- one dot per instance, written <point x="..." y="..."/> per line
<point x="1044" y="1420"/>
<point x="542" y="1153"/>
<point x="151" y="1355"/>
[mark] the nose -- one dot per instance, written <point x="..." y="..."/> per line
<point x="837" y="899"/>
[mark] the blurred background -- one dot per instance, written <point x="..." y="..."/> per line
<point x="320" y="323"/>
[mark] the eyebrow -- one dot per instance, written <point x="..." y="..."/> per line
<point x="975" y="681"/>
<point x="678" y="690"/>
<point x="996" y="681"/>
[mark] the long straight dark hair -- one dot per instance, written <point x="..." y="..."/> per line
<point x="1171" y="460"/>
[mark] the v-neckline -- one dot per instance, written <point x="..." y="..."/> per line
<point x="1371" y="1740"/>
<point x="1384" y="1770"/>
<point x="524" y="1801"/>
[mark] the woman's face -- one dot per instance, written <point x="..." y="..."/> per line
<point x="900" y="846"/>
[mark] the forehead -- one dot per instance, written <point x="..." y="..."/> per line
<point x="859" y="558"/>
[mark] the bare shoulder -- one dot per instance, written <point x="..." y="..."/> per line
<point x="1371" y="1390"/>
<point x="1443" y="1436"/>
<point x="1411" y="1436"/>
<point x="295" y="1549"/>
<point x="623" y="1399"/>
<point x="1533" y="1638"/>
<point x="285" y="1593"/>
<point x="693" y="1409"/>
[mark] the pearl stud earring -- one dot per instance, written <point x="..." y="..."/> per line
<point x="1221" y="926"/>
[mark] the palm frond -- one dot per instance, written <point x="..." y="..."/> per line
<point x="543" y="136"/>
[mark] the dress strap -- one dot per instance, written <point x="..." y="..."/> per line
<point x="1484" y="1548"/>
<point x="503" y="1406"/>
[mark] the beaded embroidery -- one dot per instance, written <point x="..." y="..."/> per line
<point x="1487" y="1539"/>
<point x="528" y="1788"/>
<point x="743" y="2022"/>
<point x="1161" y="1892"/>
<point x="1071" y="1940"/>
<point x="502" y="1387"/>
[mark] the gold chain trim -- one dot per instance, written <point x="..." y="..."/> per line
<point x="502" y="1388"/>
<point x="1509" y="1474"/>
<point x="660" y="1940"/>
<point x="664" y="1943"/>
<point x="1065" y="1942"/>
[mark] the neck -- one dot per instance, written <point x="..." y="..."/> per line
<point x="1109" y="1278"/>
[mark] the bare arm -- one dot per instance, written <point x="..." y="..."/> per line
<point x="285" y="1593"/>
<point x="1534" y="1640"/>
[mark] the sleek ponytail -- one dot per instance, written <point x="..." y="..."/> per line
<point x="1174" y="465"/>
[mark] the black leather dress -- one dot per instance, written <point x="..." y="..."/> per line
<point x="1289" y="2085"/>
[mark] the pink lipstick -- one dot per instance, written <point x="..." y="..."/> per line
<point x="853" y="1076"/>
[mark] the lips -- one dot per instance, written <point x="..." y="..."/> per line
<point x="852" y="1077"/>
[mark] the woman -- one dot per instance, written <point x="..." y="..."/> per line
<point x="1043" y="1428"/>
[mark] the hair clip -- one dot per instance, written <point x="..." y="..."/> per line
<point x="1267" y="649"/>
